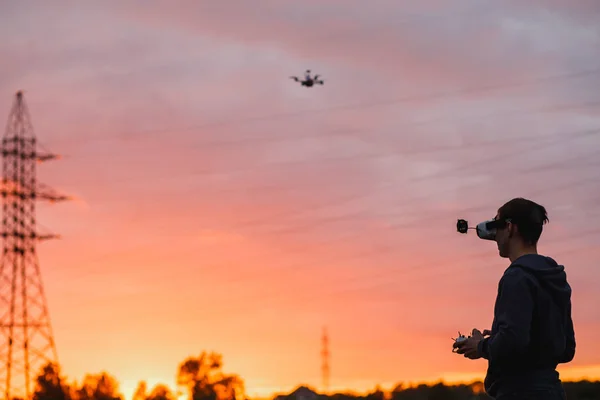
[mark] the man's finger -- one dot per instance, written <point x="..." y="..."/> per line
<point x="471" y="353"/>
<point x="487" y="332"/>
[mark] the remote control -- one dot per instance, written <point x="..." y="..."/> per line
<point x="460" y="339"/>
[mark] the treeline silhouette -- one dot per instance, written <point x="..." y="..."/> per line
<point x="203" y="378"/>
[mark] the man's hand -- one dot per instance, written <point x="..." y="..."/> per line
<point x="469" y="347"/>
<point x="487" y="332"/>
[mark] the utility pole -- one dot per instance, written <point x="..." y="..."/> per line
<point x="26" y="338"/>
<point x="325" y="360"/>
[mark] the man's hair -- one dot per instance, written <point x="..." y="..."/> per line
<point x="527" y="215"/>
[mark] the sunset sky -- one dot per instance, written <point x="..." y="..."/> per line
<point x="218" y="205"/>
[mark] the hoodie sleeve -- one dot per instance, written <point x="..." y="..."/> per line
<point x="513" y="313"/>
<point x="569" y="353"/>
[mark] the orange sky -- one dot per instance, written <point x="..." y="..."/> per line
<point x="221" y="206"/>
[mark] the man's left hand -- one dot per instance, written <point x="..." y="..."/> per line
<point x="469" y="347"/>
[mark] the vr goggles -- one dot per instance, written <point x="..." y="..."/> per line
<point x="485" y="230"/>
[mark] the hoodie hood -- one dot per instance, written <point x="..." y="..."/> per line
<point x="550" y="274"/>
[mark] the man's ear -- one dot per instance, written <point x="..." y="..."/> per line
<point x="512" y="229"/>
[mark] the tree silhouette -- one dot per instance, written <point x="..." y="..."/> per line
<point x="50" y="386"/>
<point x="205" y="380"/>
<point x="99" y="387"/>
<point x="140" y="391"/>
<point x="377" y="394"/>
<point x="159" y="392"/>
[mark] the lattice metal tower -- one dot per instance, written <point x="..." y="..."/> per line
<point x="325" y="360"/>
<point x="27" y="341"/>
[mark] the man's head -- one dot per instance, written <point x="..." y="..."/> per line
<point x="522" y="229"/>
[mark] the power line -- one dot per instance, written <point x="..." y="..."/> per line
<point x="511" y="152"/>
<point x="375" y="155"/>
<point x="375" y="251"/>
<point x="362" y="157"/>
<point x="553" y="164"/>
<point x="459" y="167"/>
<point x="393" y="227"/>
<point x="252" y="140"/>
<point x="357" y="214"/>
<point x="562" y="164"/>
<point x="443" y="268"/>
<point x="364" y="105"/>
<point x="395" y="273"/>
<point x="354" y="197"/>
<point x="391" y="278"/>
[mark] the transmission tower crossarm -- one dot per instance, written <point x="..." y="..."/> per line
<point x="41" y="157"/>
<point x="51" y="197"/>
<point x="48" y="236"/>
<point x="32" y="194"/>
<point x="36" y="236"/>
<point x="13" y="150"/>
<point x="46" y="193"/>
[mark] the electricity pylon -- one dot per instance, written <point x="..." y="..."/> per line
<point x="26" y="338"/>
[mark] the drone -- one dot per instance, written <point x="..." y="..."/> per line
<point x="308" y="81"/>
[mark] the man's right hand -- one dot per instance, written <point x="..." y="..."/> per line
<point x="487" y="332"/>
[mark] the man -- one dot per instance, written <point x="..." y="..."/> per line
<point x="532" y="331"/>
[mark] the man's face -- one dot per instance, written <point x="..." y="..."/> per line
<point x="503" y="239"/>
